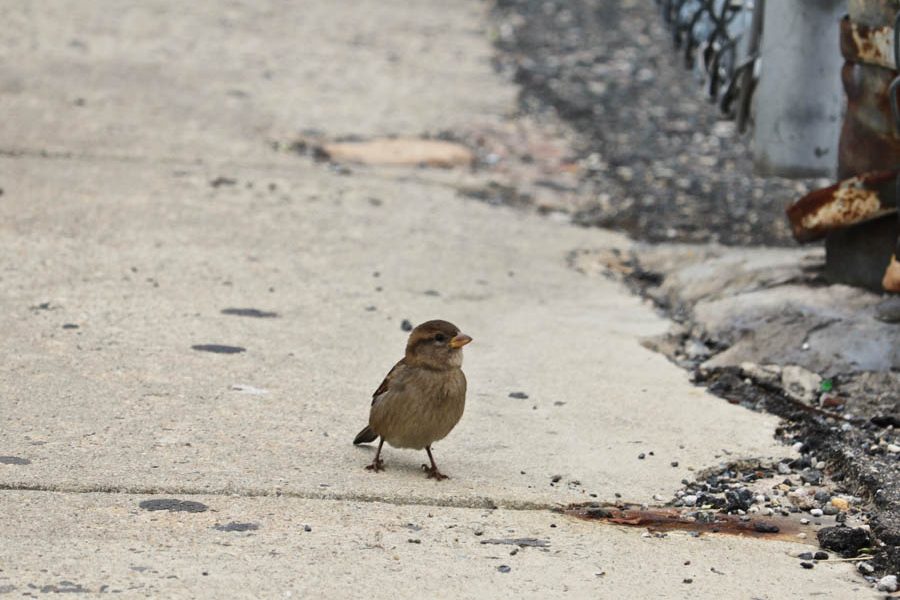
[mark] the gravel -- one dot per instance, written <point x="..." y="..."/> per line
<point x="656" y="159"/>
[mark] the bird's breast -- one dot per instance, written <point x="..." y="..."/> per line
<point x="423" y="409"/>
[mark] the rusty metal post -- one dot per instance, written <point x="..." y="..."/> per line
<point x="799" y="99"/>
<point x="863" y="253"/>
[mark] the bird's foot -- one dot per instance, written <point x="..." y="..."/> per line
<point x="377" y="465"/>
<point x="433" y="473"/>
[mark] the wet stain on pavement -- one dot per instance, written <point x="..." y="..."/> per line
<point x="250" y="312"/>
<point x="173" y="505"/>
<point x="219" y="348"/>
<point x="14" y="460"/>
<point x="670" y="519"/>
<point x="235" y="526"/>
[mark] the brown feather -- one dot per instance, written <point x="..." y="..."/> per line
<point x="423" y="396"/>
<point x="385" y="385"/>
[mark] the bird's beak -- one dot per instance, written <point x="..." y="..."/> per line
<point x="460" y="340"/>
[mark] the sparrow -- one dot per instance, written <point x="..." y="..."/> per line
<point x="423" y="397"/>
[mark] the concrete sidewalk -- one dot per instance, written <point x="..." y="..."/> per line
<point x="143" y="194"/>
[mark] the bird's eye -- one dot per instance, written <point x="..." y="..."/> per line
<point x="440" y="338"/>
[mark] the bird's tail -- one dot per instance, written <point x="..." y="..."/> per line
<point x="365" y="436"/>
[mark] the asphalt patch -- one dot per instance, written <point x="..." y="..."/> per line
<point x="173" y="505"/>
<point x="848" y="541"/>
<point x="235" y="526"/>
<point x="250" y="312"/>
<point x="218" y="348"/>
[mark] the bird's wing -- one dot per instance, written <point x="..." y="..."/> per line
<point x="385" y="385"/>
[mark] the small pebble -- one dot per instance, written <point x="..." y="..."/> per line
<point x="816" y="512"/>
<point x="805" y="556"/>
<point x="804" y="521"/>
<point x="674" y="463"/>
<point x="405" y="325"/>
<point x="893" y="448"/>
<point x="821" y="555"/>
<point x="641" y="456"/>
<point x="865" y="568"/>
<point x="840" y="504"/>
<point x="307" y="528"/>
<point x="504" y="569"/>
<point x="806" y="565"/>
<point x="687" y="580"/>
<point x="765" y="527"/>
<point x="888" y="583"/>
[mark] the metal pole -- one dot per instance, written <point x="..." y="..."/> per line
<point x="799" y="101"/>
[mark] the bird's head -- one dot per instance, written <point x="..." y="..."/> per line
<point x="436" y="345"/>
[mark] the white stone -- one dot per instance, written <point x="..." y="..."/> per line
<point x="888" y="583"/>
<point x="800" y="383"/>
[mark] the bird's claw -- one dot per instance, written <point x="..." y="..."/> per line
<point x="377" y="465"/>
<point x="433" y="473"/>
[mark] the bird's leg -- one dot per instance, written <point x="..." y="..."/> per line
<point x="377" y="464"/>
<point x="432" y="471"/>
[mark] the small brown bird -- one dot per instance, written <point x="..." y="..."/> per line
<point x="422" y="398"/>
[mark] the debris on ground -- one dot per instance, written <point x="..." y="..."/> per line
<point x="782" y="343"/>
